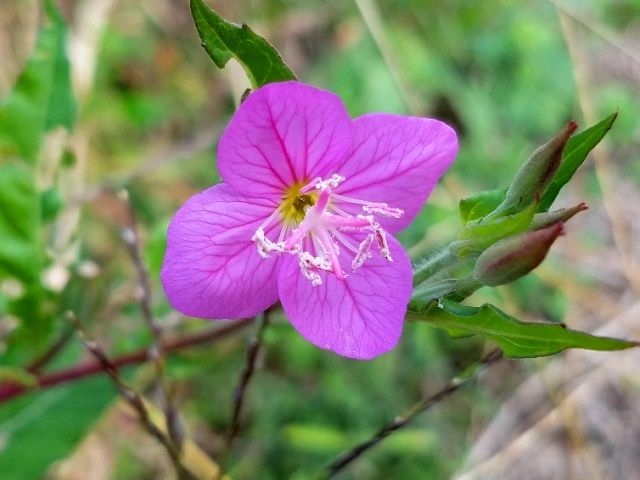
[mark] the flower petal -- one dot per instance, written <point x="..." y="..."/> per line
<point x="283" y="133"/>
<point x="397" y="160"/>
<point x="360" y="317"/>
<point x="211" y="267"/>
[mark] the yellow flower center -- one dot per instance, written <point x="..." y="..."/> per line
<point x="313" y="228"/>
<point x="295" y="203"/>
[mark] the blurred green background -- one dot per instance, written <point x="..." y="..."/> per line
<point x="149" y="107"/>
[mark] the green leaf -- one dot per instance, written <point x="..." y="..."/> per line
<point x="224" y="40"/>
<point x="575" y="153"/>
<point x="315" y="437"/>
<point x="20" y="254"/>
<point x="42" y="427"/>
<point x="479" y="234"/>
<point x="480" y="204"/>
<point x="517" y="339"/>
<point x="22" y="257"/>
<point x="42" y="98"/>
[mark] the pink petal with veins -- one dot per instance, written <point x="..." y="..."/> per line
<point x="211" y="267"/>
<point x="283" y="133"/>
<point x="360" y="317"/>
<point x="396" y="160"/>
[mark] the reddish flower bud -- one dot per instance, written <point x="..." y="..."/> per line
<point x="536" y="173"/>
<point x="545" y="219"/>
<point x="513" y="257"/>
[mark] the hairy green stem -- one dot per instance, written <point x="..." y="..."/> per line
<point x="434" y="264"/>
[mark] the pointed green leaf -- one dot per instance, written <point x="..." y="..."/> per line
<point x="42" y="98"/>
<point x="20" y="253"/>
<point x="517" y="339"/>
<point x="480" y="204"/>
<point x="224" y="40"/>
<point x="54" y="420"/>
<point x="575" y="153"/>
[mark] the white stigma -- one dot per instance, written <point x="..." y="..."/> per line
<point x="319" y="239"/>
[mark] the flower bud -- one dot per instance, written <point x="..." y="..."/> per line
<point x="536" y="173"/>
<point x="545" y="219"/>
<point x="513" y="257"/>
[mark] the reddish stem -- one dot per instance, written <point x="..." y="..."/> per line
<point x="93" y="367"/>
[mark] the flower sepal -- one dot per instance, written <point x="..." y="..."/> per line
<point x="481" y="233"/>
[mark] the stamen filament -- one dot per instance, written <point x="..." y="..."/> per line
<point x="344" y="240"/>
<point x="332" y="250"/>
<point x="271" y="218"/>
<point x="283" y="233"/>
<point x="371" y="207"/>
<point x="349" y="222"/>
<point x="364" y="253"/>
<point x="319" y="235"/>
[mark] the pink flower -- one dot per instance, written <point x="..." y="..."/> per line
<point x="305" y="214"/>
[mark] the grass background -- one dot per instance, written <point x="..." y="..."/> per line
<point x="151" y="106"/>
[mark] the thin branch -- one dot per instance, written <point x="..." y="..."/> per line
<point x="132" y="241"/>
<point x="131" y="238"/>
<point x="89" y="368"/>
<point x="52" y="352"/>
<point x="133" y="398"/>
<point x="397" y="423"/>
<point x="239" y="392"/>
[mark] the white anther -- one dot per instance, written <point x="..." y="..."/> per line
<point x="266" y="246"/>
<point x="321" y="231"/>
<point x="309" y="265"/>
<point x="364" y="253"/>
<point x="381" y="239"/>
<point x="350" y="228"/>
<point x="383" y="209"/>
<point x="333" y="182"/>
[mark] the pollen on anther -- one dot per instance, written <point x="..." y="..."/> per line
<point x="314" y="220"/>
<point x="265" y="246"/>
<point x="381" y="239"/>
<point x="364" y="253"/>
<point x="383" y="209"/>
